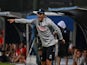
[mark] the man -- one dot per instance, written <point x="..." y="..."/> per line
<point x="42" y="24"/>
<point x="63" y="48"/>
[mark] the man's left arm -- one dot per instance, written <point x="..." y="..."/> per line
<point x="57" y="30"/>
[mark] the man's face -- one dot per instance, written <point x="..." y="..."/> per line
<point x="78" y="54"/>
<point x="40" y="16"/>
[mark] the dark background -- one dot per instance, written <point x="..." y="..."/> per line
<point x="28" y="5"/>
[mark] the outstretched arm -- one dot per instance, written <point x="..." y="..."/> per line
<point x="21" y="20"/>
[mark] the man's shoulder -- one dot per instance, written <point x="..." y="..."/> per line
<point x="48" y="20"/>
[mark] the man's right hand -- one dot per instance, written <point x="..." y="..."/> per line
<point x="11" y="20"/>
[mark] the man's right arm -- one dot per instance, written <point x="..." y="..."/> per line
<point x="21" y="20"/>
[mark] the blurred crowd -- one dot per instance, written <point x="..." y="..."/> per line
<point x="13" y="53"/>
<point x="80" y="57"/>
<point x="16" y="53"/>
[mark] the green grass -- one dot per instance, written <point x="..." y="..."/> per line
<point x="5" y="63"/>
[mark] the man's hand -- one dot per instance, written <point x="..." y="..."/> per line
<point x="55" y="33"/>
<point x="62" y="41"/>
<point x="11" y="20"/>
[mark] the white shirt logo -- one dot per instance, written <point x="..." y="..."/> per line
<point x="41" y="28"/>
